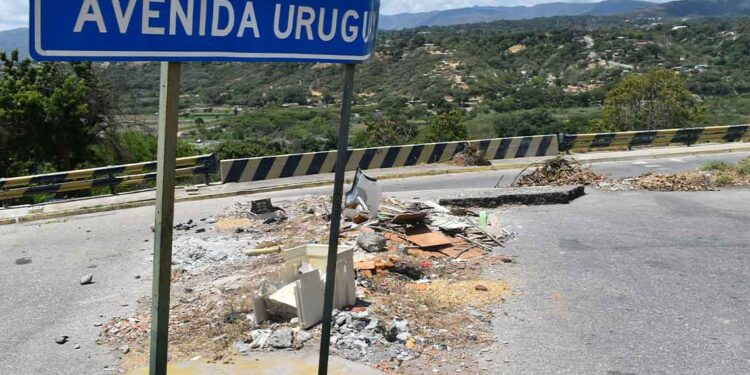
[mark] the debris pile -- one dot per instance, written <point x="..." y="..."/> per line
<point x="691" y="181"/>
<point x="558" y="171"/>
<point x="413" y="295"/>
<point x="470" y="156"/>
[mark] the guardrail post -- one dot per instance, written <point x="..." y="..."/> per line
<point x="112" y="184"/>
<point x="561" y="144"/>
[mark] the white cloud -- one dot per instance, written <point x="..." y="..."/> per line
<point x="13" y="14"/>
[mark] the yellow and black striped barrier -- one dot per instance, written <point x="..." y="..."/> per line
<point x="121" y="175"/>
<point x="654" y="138"/>
<point x="273" y="167"/>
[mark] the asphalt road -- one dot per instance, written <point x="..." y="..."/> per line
<point x="628" y="283"/>
<point x="41" y="264"/>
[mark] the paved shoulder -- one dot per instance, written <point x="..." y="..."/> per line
<point x="637" y="282"/>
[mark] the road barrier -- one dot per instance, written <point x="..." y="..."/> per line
<point x="654" y="138"/>
<point x="273" y="167"/>
<point x="113" y="177"/>
<point x="281" y="166"/>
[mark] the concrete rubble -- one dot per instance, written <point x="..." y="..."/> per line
<point x="244" y="283"/>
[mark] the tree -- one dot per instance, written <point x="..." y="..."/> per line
<point x="657" y="100"/>
<point x="385" y="132"/>
<point x="526" y="123"/>
<point x="50" y="114"/>
<point x="445" y="127"/>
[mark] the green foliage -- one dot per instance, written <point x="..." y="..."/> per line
<point x="133" y="146"/>
<point x="743" y="167"/>
<point x="445" y="127"/>
<point x="657" y="100"/>
<point x="525" y="123"/>
<point x="724" y="180"/>
<point x="49" y="114"/>
<point x="717" y="165"/>
<point x="382" y="132"/>
<point x="247" y="149"/>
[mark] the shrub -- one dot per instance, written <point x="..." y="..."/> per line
<point x="716" y="165"/>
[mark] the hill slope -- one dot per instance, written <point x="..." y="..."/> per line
<point x="488" y="14"/>
<point x="15" y="39"/>
<point x="697" y="8"/>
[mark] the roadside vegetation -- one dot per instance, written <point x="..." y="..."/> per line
<point x="500" y="79"/>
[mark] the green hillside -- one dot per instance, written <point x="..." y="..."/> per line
<point x="561" y="65"/>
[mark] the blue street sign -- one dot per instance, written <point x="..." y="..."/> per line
<point x="341" y="31"/>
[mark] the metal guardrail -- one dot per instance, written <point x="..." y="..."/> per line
<point x="281" y="166"/>
<point x="112" y="176"/>
<point x="654" y="138"/>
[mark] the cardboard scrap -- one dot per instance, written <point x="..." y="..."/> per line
<point x="423" y="237"/>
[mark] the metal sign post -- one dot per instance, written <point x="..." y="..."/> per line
<point x="164" y="219"/>
<point x="333" y="238"/>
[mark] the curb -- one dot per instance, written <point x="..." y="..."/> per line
<point x="312" y="184"/>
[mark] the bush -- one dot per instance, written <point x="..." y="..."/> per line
<point x="743" y="167"/>
<point x="445" y="127"/>
<point x="724" y="180"/>
<point x="716" y="165"/>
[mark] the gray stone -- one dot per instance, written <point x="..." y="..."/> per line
<point x="281" y="338"/>
<point x="397" y="327"/>
<point x="88" y="279"/>
<point x="303" y="336"/>
<point x="61" y="340"/>
<point x="218" y="255"/>
<point x="241" y="347"/>
<point x="371" y="242"/>
<point x="360" y="315"/>
<point x="125" y="349"/>
<point x="372" y="325"/>
<point x="77" y="346"/>
<point x="402" y="337"/>
<point x="341" y="319"/>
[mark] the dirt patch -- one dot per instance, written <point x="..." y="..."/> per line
<point x="232" y="224"/>
<point x="468" y="293"/>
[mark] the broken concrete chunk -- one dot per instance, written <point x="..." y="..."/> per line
<point x="88" y="279"/>
<point x="281" y="338"/>
<point x="396" y="328"/>
<point x="61" y="340"/>
<point x="303" y="336"/>
<point x="371" y="242"/>
<point x="218" y="255"/>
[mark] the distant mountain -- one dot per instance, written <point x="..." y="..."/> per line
<point x="696" y="8"/>
<point x="15" y="39"/>
<point x="489" y="13"/>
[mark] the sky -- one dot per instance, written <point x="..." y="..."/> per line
<point x="14" y="13"/>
